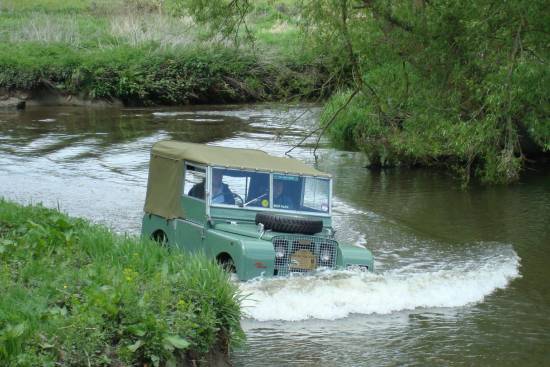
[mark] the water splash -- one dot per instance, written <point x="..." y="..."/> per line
<point x="335" y="295"/>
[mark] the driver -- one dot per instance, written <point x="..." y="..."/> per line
<point x="221" y="194"/>
<point x="280" y="198"/>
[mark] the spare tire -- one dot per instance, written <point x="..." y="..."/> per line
<point x="288" y="224"/>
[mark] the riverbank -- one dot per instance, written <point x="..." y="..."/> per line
<point x="76" y="294"/>
<point x="469" y="150"/>
<point x="400" y="100"/>
<point x="198" y="75"/>
<point x="138" y="53"/>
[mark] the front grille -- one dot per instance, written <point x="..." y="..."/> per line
<point x="301" y="254"/>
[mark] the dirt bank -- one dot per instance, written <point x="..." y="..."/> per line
<point x="20" y="99"/>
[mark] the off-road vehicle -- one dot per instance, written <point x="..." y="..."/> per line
<point x="256" y="214"/>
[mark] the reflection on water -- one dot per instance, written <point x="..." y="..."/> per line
<point x="461" y="275"/>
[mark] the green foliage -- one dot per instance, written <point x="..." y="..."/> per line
<point x="193" y="75"/>
<point x="464" y="84"/>
<point x="75" y="294"/>
<point x="125" y="50"/>
<point x="47" y="5"/>
<point x="225" y="17"/>
<point x="461" y="84"/>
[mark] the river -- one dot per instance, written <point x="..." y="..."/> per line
<point x="462" y="277"/>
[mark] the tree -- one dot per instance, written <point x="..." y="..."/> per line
<point x="463" y="83"/>
<point x="223" y="17"/>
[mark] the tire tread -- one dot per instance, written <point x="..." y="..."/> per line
<point x="287" y="224"/>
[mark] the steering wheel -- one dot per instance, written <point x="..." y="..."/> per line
<point x="239" y="201"/>
<point x="236" y="197"/>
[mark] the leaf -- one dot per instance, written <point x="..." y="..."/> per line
<point x="132" y="348"/>
<point x="16" y="330"/>
<point x="46" y="346"/>
<point x="177" y="341"/>
<point x="171" y="362"/>
<point x="136" y="331"/>
<point x="55" y="310"/>
<point x="164" y="270"/>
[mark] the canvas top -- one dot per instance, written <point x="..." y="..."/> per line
<point x="239" y="158"/>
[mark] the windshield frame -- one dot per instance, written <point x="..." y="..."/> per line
<point x="270" y="208"/>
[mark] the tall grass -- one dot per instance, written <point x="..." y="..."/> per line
<point x="86" y="30"/>
<point x="75" y="294"/>
<point x="165" y="31"/>
<point x="44" y="28"/>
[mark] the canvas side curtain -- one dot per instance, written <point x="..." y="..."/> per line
<point x="164" y="187"/>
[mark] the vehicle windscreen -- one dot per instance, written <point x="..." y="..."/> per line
<point x="251" y="189"/>
<point x="240" y="188"/>
<point x="298" y="193"/>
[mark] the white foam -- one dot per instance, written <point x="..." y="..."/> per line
<point x="335" y="295"/>
<point x="340" y="207"/>
<point x="204" y="120"/>
<point x="171" y="114"/>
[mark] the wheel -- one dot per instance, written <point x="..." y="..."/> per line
<point x="288" y="224"/>
<point x="227" y="263"/>
<point x="229" y="266"/>
<point x="160" y="237"/>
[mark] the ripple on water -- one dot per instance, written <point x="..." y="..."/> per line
<point x="424" y="303"/>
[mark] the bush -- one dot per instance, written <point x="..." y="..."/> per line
<point x="145" y="75"/>
<point x="412" y="120"/>
<point x="75" y="294"/>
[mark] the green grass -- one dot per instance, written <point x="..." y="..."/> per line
<point x="51" y="5"/>
<point x="75" y="294"/>
<point x="144" y="52"/>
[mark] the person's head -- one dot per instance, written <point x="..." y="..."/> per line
<point x="278" y="188"/>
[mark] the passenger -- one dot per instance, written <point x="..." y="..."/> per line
<point x="197" y="191"/>
<point x="280" y="198"/>
<point x="221" y="194"/>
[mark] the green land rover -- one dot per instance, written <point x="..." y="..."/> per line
<point x="256" y="214"/>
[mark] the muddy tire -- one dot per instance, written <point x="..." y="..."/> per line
<point x="227" y="263"/>
<point x="288" y="224"/>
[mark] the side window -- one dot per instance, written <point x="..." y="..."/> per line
<point x="194" y="181"/>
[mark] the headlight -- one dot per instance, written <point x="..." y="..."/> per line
<point x="281" y="248"/>
<point x="325" y="256"/>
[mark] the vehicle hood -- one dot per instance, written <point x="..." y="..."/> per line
<point x="244" y="229"/>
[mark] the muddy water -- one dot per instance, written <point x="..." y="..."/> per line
<point x="462" y="276"/>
